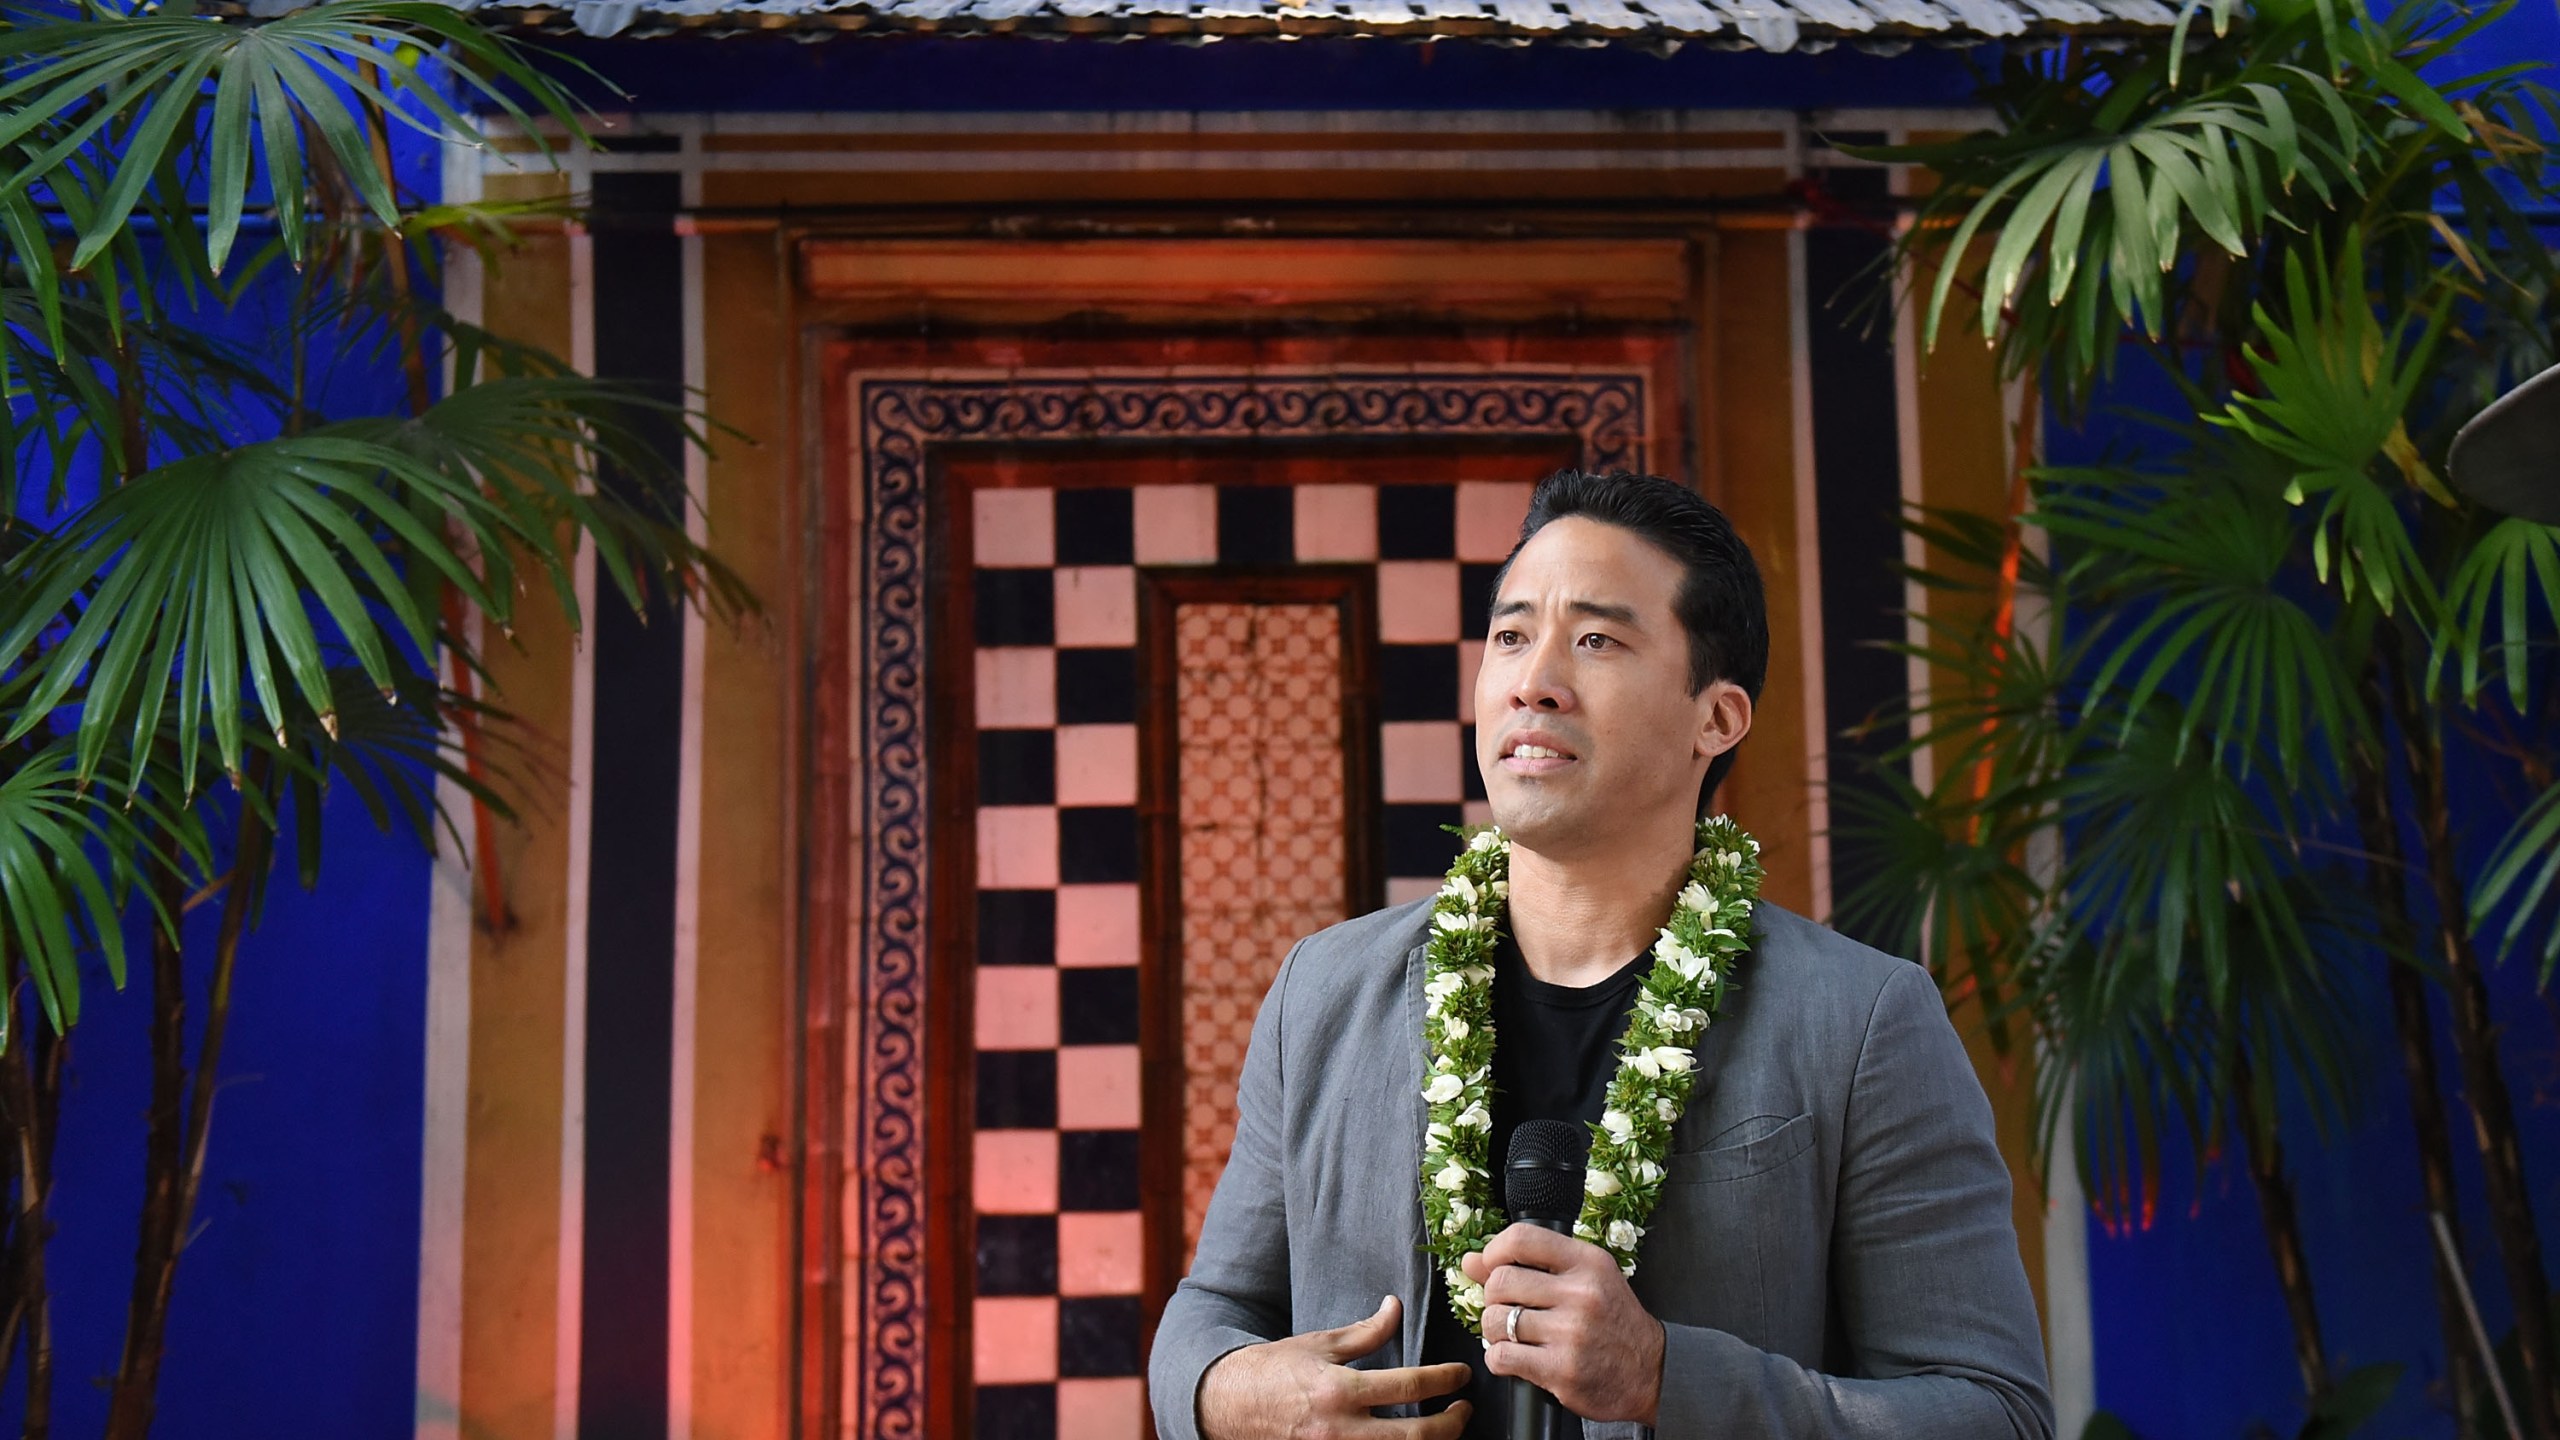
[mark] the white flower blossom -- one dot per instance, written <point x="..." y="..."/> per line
<point x="1475" y="1117"/>
<point x="1644" y="1172"/>
<point x="1620" y="1126"/>
<point x="1440" y="1134"/>
<point x="1463" y="890"/>
<point x="1694" y="896"/>
<point x="1444" y="1087"/>
<point x="1443" y="985"/>
<point x="1643" y="1063"/>
<point x="1460" y="1212"/>
<point x="1599" y="1182"/>
<point x="1455" y="1029"/>
<point x="1624" y="1237"/>
<point x="1457" y="1278"/>
<point x="1664" y="1106"/>
<point x="1452" y="1177"/>
<point x="1673" y="1059"/>
<point x="1461" y="924"/>
<point x="1486" y="842"/>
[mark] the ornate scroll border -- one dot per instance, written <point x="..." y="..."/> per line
<point x="899" y="417"/>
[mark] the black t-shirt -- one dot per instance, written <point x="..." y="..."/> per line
<point x="1555" y="1048"/>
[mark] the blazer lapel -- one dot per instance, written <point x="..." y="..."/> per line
<point x="1419" y="1276"/>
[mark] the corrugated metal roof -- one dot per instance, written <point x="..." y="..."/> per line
<point x="1886" y="25"/>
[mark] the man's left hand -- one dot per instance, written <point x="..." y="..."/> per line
<point x="1581" y="1334"/>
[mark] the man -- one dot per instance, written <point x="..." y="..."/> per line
<point x="1830" y="1253"/>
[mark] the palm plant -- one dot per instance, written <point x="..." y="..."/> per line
<point x="2268" y="630"/>
<point x="217" y="600"/>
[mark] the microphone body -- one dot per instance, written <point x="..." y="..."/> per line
<point x="1542" y="1180"/>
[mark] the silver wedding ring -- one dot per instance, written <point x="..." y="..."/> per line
<point x="1511" y="1325"/>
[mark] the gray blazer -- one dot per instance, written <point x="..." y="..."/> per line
<point x="1832" y="1254"/>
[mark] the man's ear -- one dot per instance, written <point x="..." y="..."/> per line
<point x="1724" y="717"/>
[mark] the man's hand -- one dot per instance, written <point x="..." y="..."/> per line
<point x="1582" y="1335"/>
<point x="1302" y="1389"/>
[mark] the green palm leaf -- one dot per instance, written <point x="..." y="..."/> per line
<point x="2521" y="876"/>
<point x="2512" y="564"/>
<point x="2195" y="560"/>
<point x="66" y="875"/>
<point x="138" y="81"/>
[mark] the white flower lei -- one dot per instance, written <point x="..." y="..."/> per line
<point x="1692" y="960"/>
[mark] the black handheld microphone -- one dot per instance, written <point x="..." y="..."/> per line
<point x="1542" y="1185"/>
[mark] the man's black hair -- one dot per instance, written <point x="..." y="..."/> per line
<point x="1719" y="602"/>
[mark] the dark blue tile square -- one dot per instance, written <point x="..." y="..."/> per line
<point x="1095" y="527"/>
<point x="1098" y="1170"/>
<point x="1017" y="1254"/>
<point x="1098" y="687"/>
<point x="1017" y="1089"/>
<point x="1017" y="927"/>
<point x="1257" y="525"/>
<point x="1417" y="522"/>
<point x="1017" y="1412"/>
<point x="1470" y="773"/>
<point x="1098" y="845"/>
<point x="1475" y="599"/>
<point x="1098" y="1335"/>
<point x="1017" y="767"/>
<point x="1098" y="1006"/>
<point x="1416" y="845"/>
<point x="1016" y="607"/>
<point x="1418" y="682"/>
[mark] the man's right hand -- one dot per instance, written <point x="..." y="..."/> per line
<point x="1303" y="1388"/>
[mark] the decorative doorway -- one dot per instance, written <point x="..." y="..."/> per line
<point x="1075" y="600"/>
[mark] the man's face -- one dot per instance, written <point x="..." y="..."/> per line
<point x="1585" y="727"/>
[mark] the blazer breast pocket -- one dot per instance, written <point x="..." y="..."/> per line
<point x="1750" y="1147"/>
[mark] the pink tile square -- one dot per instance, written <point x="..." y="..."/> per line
<point x="1098" y="1087"/>
<point x="1097" y="764"/>
<point x="1336" y="522"/>
<point x="1097" y="605"/>
<point x="1101" y="1253"/>
<point x="1175" y="524"/>
<point x="1014" y="1172"/>
<point x="1113" y="1408"/>
<point x="1097" y="925"/>
<point x="1014" y="1339"/>
<point x="1017" y="847"/>
<point x="1017" y="1007"/>
<point x="1017" y="687"/>
<point x="1470" y="663"/>
<point x="1418" y="761"/>
<point x="1417" y="601"/>
<point x="1401" y="888"/>
<point x="1013" y="528"/>
<point x="1489" y="516"/>
<point x="1476" y="812"/>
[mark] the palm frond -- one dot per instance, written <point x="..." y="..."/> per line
<point x="2337" y="386"/>
<point x="138" y="83"/>
<point x="66" y="876"/>
<point x="2194" y="561"/>
<point x="2521" y="877"/>
<point x="2512" y="565"/>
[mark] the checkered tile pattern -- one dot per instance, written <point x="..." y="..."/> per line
<point x="1059" y="1247"/>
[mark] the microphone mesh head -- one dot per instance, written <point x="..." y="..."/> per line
<point x="1542" y="1174"/>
